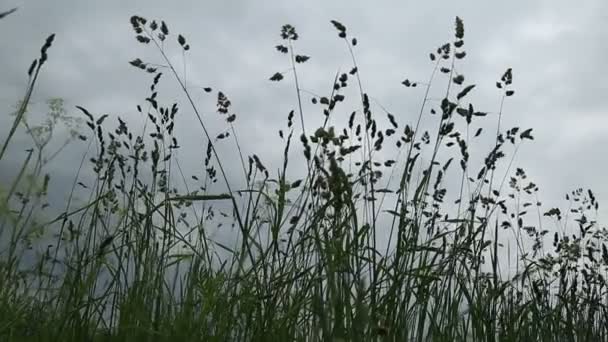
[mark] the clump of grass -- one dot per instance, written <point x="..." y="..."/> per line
<point x="307" y="262"/>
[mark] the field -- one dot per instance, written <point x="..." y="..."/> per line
<point x="369" y="229"/>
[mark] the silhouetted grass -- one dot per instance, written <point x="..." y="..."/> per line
<point x="367" y="244"/>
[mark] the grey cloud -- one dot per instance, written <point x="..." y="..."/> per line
<point x="557" y="74"/>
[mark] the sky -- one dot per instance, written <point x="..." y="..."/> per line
<point x="556" y="49"/>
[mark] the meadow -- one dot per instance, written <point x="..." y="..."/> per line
<point x="370" y="241"/>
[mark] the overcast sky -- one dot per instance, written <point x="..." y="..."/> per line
<point x="556" y="49"/>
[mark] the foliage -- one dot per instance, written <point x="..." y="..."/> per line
<point x="137" y="261"/>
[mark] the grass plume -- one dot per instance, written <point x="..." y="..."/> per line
<point x="369" y="244"/>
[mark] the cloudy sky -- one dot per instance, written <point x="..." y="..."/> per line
<point x="556" y="49"/>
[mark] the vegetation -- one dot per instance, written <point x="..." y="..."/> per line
<point x="367" y="245"/>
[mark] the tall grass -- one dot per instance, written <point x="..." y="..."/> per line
<point x="365" y="244"/>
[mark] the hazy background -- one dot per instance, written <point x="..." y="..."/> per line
<point x="556" y="49"/>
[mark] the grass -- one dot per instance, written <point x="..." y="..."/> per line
<point x="366" y="244"/>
